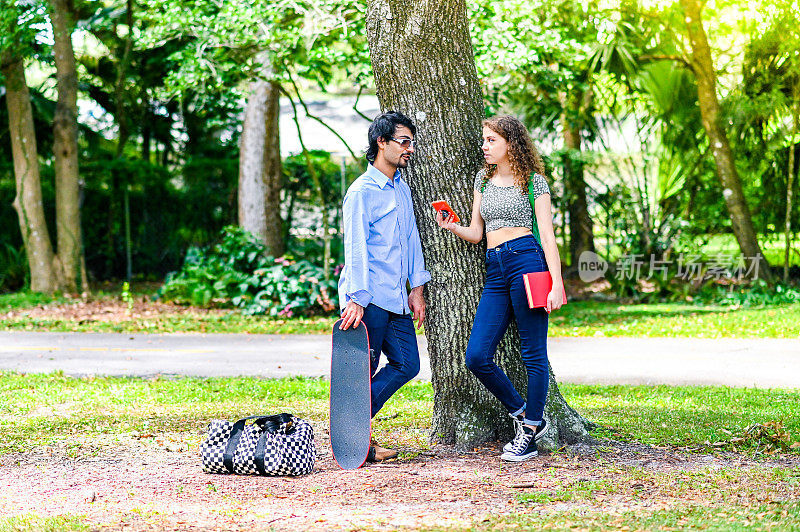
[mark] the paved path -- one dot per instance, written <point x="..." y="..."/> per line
<point x="767" y="363"/>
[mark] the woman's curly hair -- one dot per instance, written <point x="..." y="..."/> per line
<point x="522" y="154"/>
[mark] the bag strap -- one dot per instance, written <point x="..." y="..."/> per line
<point x="260" y="451"/>
<point x="269" y="424"/>
<point x="531" y="199"/>
<point x="261" y="445"/>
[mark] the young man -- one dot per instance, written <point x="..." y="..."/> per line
<point x="382" y="253"/>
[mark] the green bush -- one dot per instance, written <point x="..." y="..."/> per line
<point x="238" y="272"/>
<point x="756" y="294"/>
<point x="13" y="268"/>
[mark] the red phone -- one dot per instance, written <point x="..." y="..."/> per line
<point x="443" y="207"/>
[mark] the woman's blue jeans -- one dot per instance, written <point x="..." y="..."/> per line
<point x="393" y="334"/>
<point x="503" y="297"/>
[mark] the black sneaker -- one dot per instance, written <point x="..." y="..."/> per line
<point x="541" y="431"/>
<point x="522" y="448"/>
<point x="517" y="430"/>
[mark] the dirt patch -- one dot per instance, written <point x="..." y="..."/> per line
<point x="108" y="310"/>
<point x="140" y="485"/>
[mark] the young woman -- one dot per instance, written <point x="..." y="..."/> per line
<point x="516" y="244"/>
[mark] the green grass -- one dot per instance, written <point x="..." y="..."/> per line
<point x="773" y="246"/>
<point x="45" y="409"/>
<point x="685" y="416"/>
<point x="727" y="517"/>
<point x="726" y="499"/>
<point x="593" y="318"/>
<point x="23" y="300"/>
<point x="578" y="318"/>
<point x="578" y="491"/>
<point x="49" y="409"/>
<point x="36" y="523"/>
<point x="229" y="323"/>
<point x="633" y="498"/>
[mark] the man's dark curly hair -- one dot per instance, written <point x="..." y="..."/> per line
<point x="384" y="127"/>
<point x="522" y="153"/>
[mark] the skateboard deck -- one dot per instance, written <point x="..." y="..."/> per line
<point x="351" y="407"/>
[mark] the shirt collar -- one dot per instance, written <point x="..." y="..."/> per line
<point x="379" y="178"/>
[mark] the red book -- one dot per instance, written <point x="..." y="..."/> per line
<point x="537" y="286"/>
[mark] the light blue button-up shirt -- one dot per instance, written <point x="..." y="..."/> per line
<point x="382" y="250"/>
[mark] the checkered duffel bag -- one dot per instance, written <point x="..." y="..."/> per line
<point x="270" y="445"/>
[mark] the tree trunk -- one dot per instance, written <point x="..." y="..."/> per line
<point x="124" y="123"/>
<point x="146" y="134"/>
<point x="252" y="152"/>
<point x="273" y="173"/>
<point x="580" y="223"/>
<point x="121" y="109"/>
<point x="787" y="222"/>
<point x="28" y="202"/>
<point x="703" y="67"/>
<point x="65" y="148"/>
<point x="430" y="75"/>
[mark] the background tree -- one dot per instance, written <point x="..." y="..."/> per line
<point x="765" y="110"/>
<point x="224" y="49"/>
<point x="14" y="47"/>
<point x="430" y="75"/>
<point x="702" y="65"/>
<point x="649" y="144"/>
<point x="69" y="259"/>
<point x="257" y="134"/>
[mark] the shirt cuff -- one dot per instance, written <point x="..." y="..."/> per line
<point x="360" y="297"/>
<point x="419" y="278"/>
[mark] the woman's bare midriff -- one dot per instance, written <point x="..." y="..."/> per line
<point x="504" y="234"/>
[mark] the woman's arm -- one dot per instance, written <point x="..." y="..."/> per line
<point x="472" y="233"/>
<point x="544" y="221"/>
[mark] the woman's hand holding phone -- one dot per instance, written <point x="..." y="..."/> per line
<point x="445" y="222"/>
<point x="445" y="216"/>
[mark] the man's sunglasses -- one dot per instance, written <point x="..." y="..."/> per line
<point x="405" y="143"/>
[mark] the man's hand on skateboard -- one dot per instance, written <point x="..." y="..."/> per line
<point x="352" y="315"/>
<point x="416" y="302"/>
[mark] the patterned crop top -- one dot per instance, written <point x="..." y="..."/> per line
<point x="508" y="206"/>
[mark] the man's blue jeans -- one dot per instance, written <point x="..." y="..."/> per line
<point x="503" y="297"/>
<point x="392" y="334"/>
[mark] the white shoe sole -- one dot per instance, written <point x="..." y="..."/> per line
<point x="518" y="457"/>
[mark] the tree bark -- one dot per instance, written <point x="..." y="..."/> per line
<point x="787" y="222"/>
<point x="703" y="67"/>
<point x="252" y="213"/>
<point x="252" y="154"/>
<point x="429" y="75"/>
<point x="28" y="201"/>
<point x="273" y="173"/>
<point x="121" y="109"/>
<point x="65" y="147"/>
